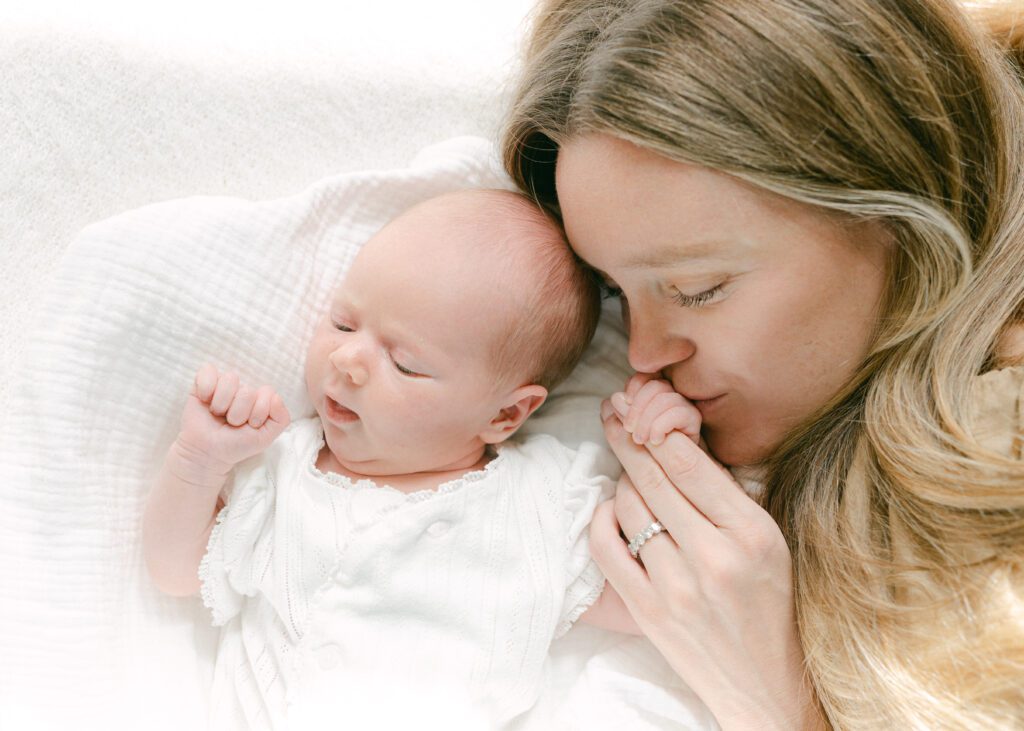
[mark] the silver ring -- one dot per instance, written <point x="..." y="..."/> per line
<point x="643" y="536"/>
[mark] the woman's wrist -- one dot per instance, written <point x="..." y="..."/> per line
<point x="802" y="713"/>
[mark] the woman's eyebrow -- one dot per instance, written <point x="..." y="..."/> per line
<point x="670" y="256"/>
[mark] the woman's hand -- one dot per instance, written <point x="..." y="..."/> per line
<point x="713" y="592"/>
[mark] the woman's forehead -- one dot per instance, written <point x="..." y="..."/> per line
<point x="625" y="207"/>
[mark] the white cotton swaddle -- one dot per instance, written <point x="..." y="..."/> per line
<point x="138" y="302"/>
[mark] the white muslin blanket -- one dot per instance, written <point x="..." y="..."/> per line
<point x="138" y="302"/>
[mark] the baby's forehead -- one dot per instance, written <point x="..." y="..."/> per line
<point x="492" y="241"/>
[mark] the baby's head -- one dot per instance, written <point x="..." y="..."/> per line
<point x="452" y="325"/>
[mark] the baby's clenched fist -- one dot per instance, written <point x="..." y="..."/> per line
<point x="650" y="408"/>
<point x="225" y="422"/>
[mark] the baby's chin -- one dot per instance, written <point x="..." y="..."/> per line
<point x="355" y="461"/>
<point x="350" y="462"/>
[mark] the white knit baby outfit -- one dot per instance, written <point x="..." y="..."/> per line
<point x="345" y="599"/>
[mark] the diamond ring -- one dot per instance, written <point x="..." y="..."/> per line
<point x="643" y="536"/>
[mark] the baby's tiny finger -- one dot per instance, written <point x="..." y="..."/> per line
<point x="635" y="383"/>
<point x="659" y="404"/>
<point x="279" y="412"/>
<point x="677" y="419"/>
<point x="261" y="408"/>
<point x="643" y="397"/>
<point x="227" y="385"/>
<point x="241" y="406"/>
<point x="205" y="382"/>
<point x="618" y="403"/>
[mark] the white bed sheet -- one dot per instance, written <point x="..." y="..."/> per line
<point x="103" y="113"/>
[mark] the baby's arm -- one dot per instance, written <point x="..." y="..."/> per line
<point x="610" y="612"/>
<point x="221" y="426"/>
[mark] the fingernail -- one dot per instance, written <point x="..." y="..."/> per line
<point x="658" y="439"/>
<point x="619" y="403"/>
<point x="606" y="410"/>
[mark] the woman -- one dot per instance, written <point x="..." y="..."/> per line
<point x="814" y="212"/>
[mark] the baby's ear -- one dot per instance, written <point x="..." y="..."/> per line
<point x="517" y="407"/>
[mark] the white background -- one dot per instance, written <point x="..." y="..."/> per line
<point x="109" y="105"/>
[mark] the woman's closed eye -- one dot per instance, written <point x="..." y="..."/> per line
<point x="695" y="300"/>
<point x="680" y="298"/>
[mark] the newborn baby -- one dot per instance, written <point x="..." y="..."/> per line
<point x="397" y="552"/>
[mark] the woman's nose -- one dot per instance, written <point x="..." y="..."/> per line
<point x="351" y="361"/>
<point x="652" y="347"/>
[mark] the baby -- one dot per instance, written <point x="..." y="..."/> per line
<point x="396" y="551"/>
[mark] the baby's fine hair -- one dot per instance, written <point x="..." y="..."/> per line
<point x="560" y="303"/>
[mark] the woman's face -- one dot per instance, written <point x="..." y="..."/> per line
<point x="757" y="308"/>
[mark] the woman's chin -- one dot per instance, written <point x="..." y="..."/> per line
<point x="737" y="450"/>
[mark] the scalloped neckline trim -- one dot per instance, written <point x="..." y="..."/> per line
<point x="344" y="481"/>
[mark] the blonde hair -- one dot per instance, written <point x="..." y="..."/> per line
<point x="907" y="534"/>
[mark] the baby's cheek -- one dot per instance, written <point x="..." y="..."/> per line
<point x="423" y="422"/>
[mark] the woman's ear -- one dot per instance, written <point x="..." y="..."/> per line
<point x="517" y="407"/>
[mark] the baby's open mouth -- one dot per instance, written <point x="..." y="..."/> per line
<point x="337" y="413"/>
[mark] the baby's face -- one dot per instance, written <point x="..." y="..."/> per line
<point x="399" y="368"/>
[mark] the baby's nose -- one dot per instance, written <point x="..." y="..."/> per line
<point x="349" y="361"/>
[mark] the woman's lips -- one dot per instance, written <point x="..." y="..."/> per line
<point x="705" y="406"/>
<point x="337" y="413"/>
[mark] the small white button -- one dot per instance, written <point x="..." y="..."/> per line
<point x="328" y="656"/>
<point x="439" y="528"/>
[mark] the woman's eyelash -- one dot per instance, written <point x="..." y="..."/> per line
<point x="696" y="300"/>
<point x="683" y="300"/>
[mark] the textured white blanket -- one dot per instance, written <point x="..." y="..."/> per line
<point x="138" y="302"/>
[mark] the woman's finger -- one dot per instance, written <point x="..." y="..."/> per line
<point x="612" y="557"/>
<point x="683" y="521"/>
<point x="696" y="476"/>
<point x="660" y="555"/>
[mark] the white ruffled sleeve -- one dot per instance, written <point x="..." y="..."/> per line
<point x="240" y="547"/>
<point x="585" y="486"/>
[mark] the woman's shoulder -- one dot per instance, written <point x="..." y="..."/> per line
<point x="997" y="410"/>
<point x="1009" y="348"/>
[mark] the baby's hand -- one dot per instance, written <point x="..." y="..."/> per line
<point x="224" y="424"/>
<point x="650" y="408"/>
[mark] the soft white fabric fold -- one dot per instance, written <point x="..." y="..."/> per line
<point x="137" y="303"/>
